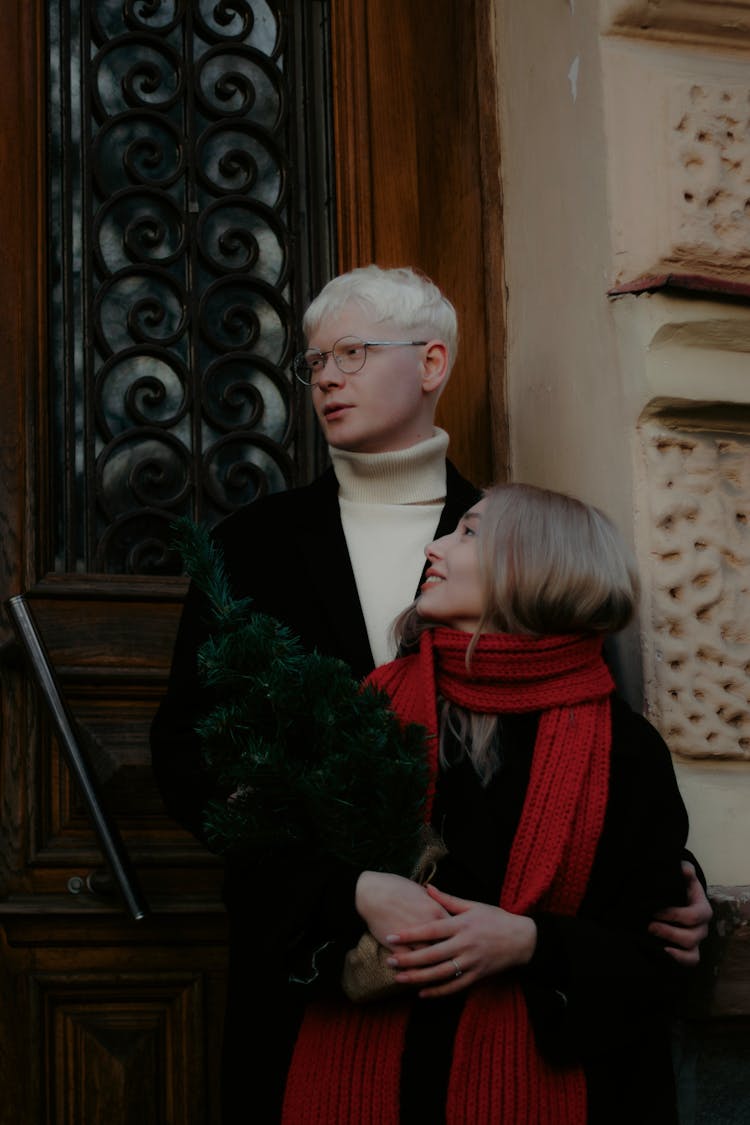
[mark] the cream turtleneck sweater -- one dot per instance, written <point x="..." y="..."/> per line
<point x="390" y="507"/>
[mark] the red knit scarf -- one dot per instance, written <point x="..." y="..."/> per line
<point x="347" y="1059"/>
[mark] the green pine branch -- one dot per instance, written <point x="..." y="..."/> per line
<point x="311" y="761"/>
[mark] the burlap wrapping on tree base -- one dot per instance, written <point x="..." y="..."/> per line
<point x="366" y="975"/>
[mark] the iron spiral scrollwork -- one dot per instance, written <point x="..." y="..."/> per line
<point x="174" y="303"/>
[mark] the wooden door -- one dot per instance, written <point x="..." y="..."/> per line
<point x="103" y="1019"/>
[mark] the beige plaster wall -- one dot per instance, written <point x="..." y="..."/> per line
<point x="617" y="160"/>
<point x="565" y="406"/>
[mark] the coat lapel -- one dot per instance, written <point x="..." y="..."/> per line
<point x="330" y="575"/>
<point x="329" y="571"/>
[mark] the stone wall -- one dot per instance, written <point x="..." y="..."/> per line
<point x="625" y="128"/>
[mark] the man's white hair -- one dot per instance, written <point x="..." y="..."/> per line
<point x="403" y="297"/>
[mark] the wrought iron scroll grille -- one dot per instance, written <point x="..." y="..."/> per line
<point x="189" y="222"/>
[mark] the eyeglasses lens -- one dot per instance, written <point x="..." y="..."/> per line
<point x="349" y="354"/>
<point x="309" y="364"/>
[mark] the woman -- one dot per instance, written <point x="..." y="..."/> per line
<point x="530" y="989"/>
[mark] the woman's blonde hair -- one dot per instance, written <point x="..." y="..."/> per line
<point x="549" y="564"/>
<point x="552" y="564"/>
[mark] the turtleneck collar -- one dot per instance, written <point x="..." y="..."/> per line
<point x="404" y="476"/>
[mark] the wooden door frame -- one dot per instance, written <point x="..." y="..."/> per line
<point x="437" y="206"/>
<point x="417" y="166"/>
<point x="417" y="160"/>
<point x="22" y="287"/>
<point x="417" y="180"/>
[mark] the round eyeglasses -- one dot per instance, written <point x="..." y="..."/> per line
<point x="349" y="354"/>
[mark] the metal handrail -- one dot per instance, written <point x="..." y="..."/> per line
<point x="78" y="761"/>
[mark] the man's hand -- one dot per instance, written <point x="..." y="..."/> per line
<point x="685" y="927"/>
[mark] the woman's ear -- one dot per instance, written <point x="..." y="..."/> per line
<point x="434" y="366"/>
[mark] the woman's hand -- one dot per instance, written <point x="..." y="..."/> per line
<point x="473" y="942"/>
<point x="388" y="903"/>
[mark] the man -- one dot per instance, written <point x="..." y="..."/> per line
<point x="361" y="528"/>
<point x="335" y="561"/>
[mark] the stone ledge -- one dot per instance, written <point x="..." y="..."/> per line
<point x="722" y="986"/>
<point x="693" y="22"/>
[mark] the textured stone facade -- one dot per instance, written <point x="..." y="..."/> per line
<point x="697" y="563"/>
<point x="679" y="104"/>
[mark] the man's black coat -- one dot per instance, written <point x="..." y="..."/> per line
<point x="288" y="553"/>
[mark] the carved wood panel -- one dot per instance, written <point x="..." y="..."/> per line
<point x="117" y="1047"/>
<point x="110" y="1021"/>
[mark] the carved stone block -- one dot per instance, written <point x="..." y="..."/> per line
<point x="709" y="159"/>
<point x="679" y="160"/>
<point x="696" y="570"/>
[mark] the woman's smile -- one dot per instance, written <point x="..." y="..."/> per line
<point x="452" y="588"/>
